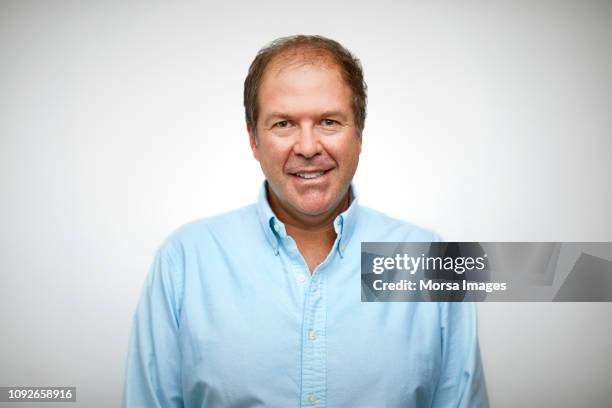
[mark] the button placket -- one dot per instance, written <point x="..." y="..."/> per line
<point x="314" y="359"/>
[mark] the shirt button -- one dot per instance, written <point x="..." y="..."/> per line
<point x="312" y="400"/>
<point x="312" y="335"/>
<point x="343" y="247"/>
<point x="301" y="278"/>
<point x="276" y="227"/>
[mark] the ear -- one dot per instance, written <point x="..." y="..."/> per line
<point x="253" y="143"/>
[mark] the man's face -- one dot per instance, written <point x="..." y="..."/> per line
<point x="306" y="136"/>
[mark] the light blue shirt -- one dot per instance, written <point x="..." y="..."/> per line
<point x="230" y="316"/>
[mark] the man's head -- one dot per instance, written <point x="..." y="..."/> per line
<point x="305" y="101"/>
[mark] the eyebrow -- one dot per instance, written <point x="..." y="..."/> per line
<point x="282" y="115"/>
<point x="337" y="114"/>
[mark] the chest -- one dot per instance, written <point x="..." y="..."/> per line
<point x="278" y="339"/>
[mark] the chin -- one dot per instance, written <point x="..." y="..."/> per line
<point x="314" y="207"/>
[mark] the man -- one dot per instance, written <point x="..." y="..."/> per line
<point x="260" y="307"/>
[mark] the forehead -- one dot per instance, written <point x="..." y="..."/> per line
<point x="303" y="81"/>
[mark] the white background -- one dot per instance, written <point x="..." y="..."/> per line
<point x="120" y="121"/>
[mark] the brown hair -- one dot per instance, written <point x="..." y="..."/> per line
<point x="319" y="47"/>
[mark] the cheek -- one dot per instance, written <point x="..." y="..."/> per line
<point x="345" y="152"/>
<point x="273" y="156"/>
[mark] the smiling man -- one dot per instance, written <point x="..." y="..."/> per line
<point x="261" y="306"/>
<point x="306" y="138"/>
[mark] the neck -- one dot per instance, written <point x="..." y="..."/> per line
<point x="313" y="235"/>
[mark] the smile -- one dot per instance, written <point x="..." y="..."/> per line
<point x="310" y="175"/>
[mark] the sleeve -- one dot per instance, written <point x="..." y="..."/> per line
<point x="461" y="383"/>
<point x="153" y="367"/>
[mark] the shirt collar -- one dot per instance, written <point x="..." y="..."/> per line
<point x="267" y="218"/>
<point x="344" y="224"/>
<point x="345" y="221"/>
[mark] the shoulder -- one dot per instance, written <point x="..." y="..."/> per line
<point x="381" y="225"/>
<point x="208" y="230"/>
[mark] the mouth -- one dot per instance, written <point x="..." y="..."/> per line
<point x="310" y="175"/>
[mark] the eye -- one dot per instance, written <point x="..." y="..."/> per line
<point x="328" y="122"/>
<point x="283" y="124"/>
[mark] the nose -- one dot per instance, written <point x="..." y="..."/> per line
<point x="307" y="143"/>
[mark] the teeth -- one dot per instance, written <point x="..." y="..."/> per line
<point x="310" y="175"/>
